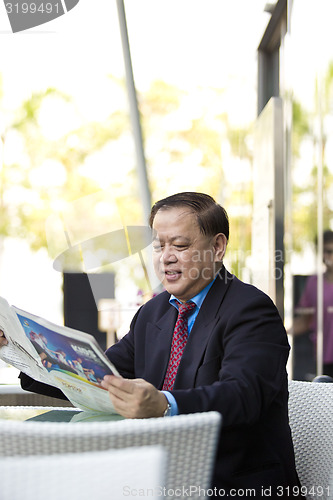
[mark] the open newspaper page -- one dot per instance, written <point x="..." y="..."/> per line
<point x="57" y="355"/>
<point x="19" y="352"/>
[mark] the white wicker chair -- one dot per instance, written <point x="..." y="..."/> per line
<point x="311" y="422"/>
<point x="330" y="486"/>
<point x="189" y="440"/>
<point x="112" y="474"/>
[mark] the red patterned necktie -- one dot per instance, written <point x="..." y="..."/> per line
<point x="179" y="340"/>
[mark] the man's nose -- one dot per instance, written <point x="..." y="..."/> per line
<point x="167" y="255"/>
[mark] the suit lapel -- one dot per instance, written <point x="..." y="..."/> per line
<point x="158" y="345"/>
<point x="204" y="324"/>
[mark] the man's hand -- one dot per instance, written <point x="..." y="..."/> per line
<point x="135" y="398"/>
<point x="3" y="340"/>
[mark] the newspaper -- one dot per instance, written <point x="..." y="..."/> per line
<point x="57" y="355"/>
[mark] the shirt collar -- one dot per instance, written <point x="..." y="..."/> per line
<point x="197" y="299"/>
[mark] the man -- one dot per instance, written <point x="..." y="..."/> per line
<point x="306" y="311"/>
<point x="235" y="357"/>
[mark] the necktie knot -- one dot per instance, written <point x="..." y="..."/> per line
<point x="186" y="308"/>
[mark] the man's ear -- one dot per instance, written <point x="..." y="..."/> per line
<point x="220" y="246"/>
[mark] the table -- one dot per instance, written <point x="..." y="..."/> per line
<point x="14" y="395"/>
<point x="53" y="414"/>
<point x="189" y="440"/>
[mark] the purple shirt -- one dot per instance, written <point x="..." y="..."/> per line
<point x="309" y="300"/>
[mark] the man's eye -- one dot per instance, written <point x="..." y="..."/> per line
<point x="157" y="248"/>
<point x="180" y="247"/>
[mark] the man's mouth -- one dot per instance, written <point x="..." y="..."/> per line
<point x="172" y="275"/>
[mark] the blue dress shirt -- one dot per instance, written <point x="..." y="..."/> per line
<point x="198" y="300"/>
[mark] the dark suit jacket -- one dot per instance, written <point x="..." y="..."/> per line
<point x="235" y="363"/>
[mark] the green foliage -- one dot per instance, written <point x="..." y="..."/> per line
<point x="185" y="138"/>
<point x="301" y="126"/>
<point x="161" y="99"/>
<point x="24" y="215"/>
<point x="238" y="141"/>
<point x="305" y="194"/>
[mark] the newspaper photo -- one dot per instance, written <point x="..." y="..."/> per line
<point x="57" y="355"/>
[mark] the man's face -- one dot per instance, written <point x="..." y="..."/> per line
<point x="184" y="259"/>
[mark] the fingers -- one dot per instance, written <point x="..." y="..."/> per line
<point x="122" y="396"/>
<point x="134" y="398"/>
<point x="3" y="340"/>
<point x="122" y="387"/>
<point x="124" y="384"/>
<point x="122" y="390"/>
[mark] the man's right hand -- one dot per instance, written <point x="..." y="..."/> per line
<point x="3" y="340"/>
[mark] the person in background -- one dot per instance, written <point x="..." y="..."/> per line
<point x="306" y="309"/>
<point x="209" y="342"/>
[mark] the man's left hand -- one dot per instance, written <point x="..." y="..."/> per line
<point x="135" y="398"/>
<point x="3" y="340"/>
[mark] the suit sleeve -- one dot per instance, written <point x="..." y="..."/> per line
<point x="254" y="349"/>
<point x="31" y="385"/>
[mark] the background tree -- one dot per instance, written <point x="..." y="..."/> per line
<point x="54" y="156"/>
<point x="308" y="125"/>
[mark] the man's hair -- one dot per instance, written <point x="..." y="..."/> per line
<point x="328" y="236"/>
<point x="211" y="217"/>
